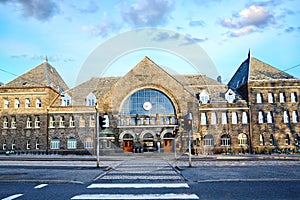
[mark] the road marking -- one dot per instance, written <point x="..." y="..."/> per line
<point x="136" y="196"/>
<point x="13" y="197"/>
<point x="141" y="185"/>
<point x="149" y="177"/>
<point x="40" y="186"/>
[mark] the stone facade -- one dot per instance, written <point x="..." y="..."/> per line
<point x="238" y="118"/>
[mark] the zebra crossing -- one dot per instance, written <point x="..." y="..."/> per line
<point x="140" y="178"/>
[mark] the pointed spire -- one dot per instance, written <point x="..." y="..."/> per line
<point x="249" y="53"/>
<point x="45" y="59"/>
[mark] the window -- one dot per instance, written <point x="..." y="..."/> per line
<point x="6" y="103"/>
<point x="90" y="100"/>
<point x="5" y="122"/>
<point x="13" y="122"/>
<point x="92" y="121"/>
<point x="225" y="140"/>
<point x="286" y="119"/>
<point x="81" y="121"/>
<point x="27" y="103"/>
<point x="204" y="97"/>
<point x="293" y="97"/>
<point x="52" y="122"/>
<point x="296" y="140"/>
<point x="281" y="97"/>
<point x="272" y="142"/>
<point x="13" y="145"/>
<point x="147" y="102"/>
<point x="203" y="119"/>
<point x="230" y="96"/>
<point x="61" y="121"/>
<point x="37" y="144"/>
<point x="224" y="118"/>
<point x="37" y="122"/>
<point x="28" y="144"/>
<point x="28" y="122"/>
<point x="270" y="98"/>
<point x="269" y="117"/>
<point x="72" y="143"/>
<point x="4" y="145"/>
<point x="287" y="139"/>
<point x="208" y="140"/>
<point x="55" y="143"/>
<point x="38" y="103"/>
<point x="295" y="116"/>
<point x="258" y="98"/>
<point x="260" y="117"/>
<point x="261" y="140"/>
<point x="72" y="121"/>
<point x="65" y="100"/>
<point x="245" y="118"/>
<point x="234" y="118"/>
<point x="243" y="139"/>
<point x="214" y="119"/>
<point x="17" y="103"/>
<point x="88" y="143"/>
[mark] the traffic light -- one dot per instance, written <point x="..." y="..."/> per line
<point x="102" y="122"/>
<point x="189" y="124"/>
<point x="175" y="132"/>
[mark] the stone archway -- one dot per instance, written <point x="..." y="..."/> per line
<point x="149" y="140"/>
<point x="127" y="140"/>
<point x="168" y="141"/>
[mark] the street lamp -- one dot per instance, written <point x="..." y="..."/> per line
<point x="189" y="128"/>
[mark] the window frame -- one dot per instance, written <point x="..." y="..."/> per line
<point x="72" y="143"/>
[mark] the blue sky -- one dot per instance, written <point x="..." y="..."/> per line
<point x="68" y="32"/>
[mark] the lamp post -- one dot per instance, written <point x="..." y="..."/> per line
<point x="97" y="136"/>
<point x="190" y="127"/>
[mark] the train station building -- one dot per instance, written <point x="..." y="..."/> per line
<point x="147" y="108"/>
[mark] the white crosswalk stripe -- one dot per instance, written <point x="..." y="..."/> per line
<point x="143" y="178"/>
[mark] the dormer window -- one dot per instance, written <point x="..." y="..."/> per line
<point x="90" y="100"/>
<point x="65" y="100"/>
<point x="204" y="97"/>
<point x="230" y="96"/>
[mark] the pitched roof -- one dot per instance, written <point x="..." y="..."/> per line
<point x="262" y="71"/>
<point x="253" y="69"/>
<point x="40" y="76"/>
<point x="99" y="86"/>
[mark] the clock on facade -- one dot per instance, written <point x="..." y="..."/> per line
<point x="147" y="105"/>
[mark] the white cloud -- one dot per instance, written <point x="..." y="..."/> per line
<point x="147" y="12"/>
<point x="251" y="19"/>
<point x="252" y="16"/>
<point x="242" y="31"/>
<point x="41" y="10"/>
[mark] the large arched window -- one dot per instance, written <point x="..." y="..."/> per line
<point x="147" y="102"/>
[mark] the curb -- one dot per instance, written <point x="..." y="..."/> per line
<point x="247" y="180"/>
<point x="42" y="181"/>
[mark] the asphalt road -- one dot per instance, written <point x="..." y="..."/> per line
<point x="154" y="178"/>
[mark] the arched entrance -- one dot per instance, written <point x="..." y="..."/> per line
<point x="128" y="143"/>
<point x="148" y="143"/>
<point x="168" y="142"/>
